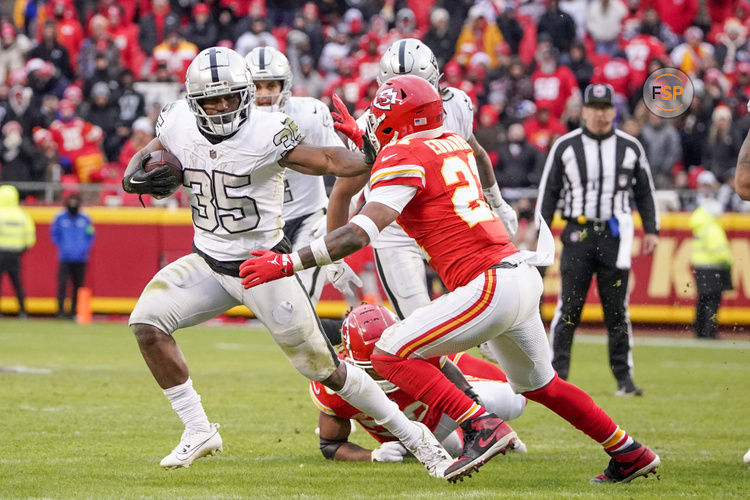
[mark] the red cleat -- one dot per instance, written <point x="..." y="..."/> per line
<point x="635" y="461"/>
<point x="484" y="437"/>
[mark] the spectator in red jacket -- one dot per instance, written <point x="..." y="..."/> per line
<point x="78" y="143"/>
<point x="69" y="30"/>
<point x="553" y="84"/>
<point x="543" y="128"/>
<point x="125" y="36"/>
<point x="677" y="14"/>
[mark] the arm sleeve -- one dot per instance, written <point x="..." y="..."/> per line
<point x="550" y="184"/>
<point x="395" y="196"/>
<point x="643" y="191"/>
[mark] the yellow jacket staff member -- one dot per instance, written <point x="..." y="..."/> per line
<point x="17" y="233"/>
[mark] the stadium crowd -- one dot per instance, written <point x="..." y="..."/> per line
<point x="82" y="81"/>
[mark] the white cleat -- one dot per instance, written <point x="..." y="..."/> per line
<point x="431" y="453"/>
<point x="746" y="458"/>
<point x="193" y="445"/>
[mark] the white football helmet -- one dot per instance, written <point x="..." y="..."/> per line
<point x="409" y="57"/>
<point x="267" y="63"/>
<point x="218" y="71"/>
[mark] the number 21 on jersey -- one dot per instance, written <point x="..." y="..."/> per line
<point x="467" y="199"/>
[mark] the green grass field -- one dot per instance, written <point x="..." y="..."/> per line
<point x="86" y="420"/>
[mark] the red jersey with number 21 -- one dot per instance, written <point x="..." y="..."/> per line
<point x="447" y="216"/>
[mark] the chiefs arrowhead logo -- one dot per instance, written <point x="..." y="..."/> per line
<point x="385" y="99"/>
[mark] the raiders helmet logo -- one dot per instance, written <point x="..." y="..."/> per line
<point x="385" y="99"/>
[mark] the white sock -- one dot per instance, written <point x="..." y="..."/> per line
<point x="187" y="404"/>
<point x="363" y="393"/>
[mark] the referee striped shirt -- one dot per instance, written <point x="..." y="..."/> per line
<point x="594" y="176"/>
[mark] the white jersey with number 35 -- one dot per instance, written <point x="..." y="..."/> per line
<point x="236" y="186"/>
<point x="459" y="118"/>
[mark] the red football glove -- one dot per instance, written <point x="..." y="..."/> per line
<point x="264" y="267"/>
<point x="345" y="123"/>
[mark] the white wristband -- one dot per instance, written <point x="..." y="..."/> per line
<point x="296" y="261"/>
<point x="320" y="251"/>
<point x="367" y="225"/>
<point x="493" y="196"/>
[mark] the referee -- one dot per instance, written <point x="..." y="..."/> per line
<point x="591" y="172"/>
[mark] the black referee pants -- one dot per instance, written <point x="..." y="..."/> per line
<point x="589" y="251"/>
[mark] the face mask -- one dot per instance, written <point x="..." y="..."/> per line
<point x="73" y="210"/>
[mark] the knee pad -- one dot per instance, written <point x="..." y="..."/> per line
<point x="304" y="344"/>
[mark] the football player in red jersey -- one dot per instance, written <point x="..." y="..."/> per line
<point x="481" y="380"/>
<point x="427" y="180"/>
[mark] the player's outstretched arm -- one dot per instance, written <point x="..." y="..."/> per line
<point x="267" y="266"/>
<point x="340" y="199"/>
<point x="334" y="432"/>
<point x="742" y="173"/>
<point x="316" y="160"/>
<point x="491" y="190"/>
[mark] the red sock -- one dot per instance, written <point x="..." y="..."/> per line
<point x="577" y="407"/>
<point x="427" y="383"/>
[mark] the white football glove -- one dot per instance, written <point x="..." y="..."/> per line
<point x="508" y="216"/>
<point x="343" y="278"/>
<point x="390" y="451"/>
<point x="502" y="209"/>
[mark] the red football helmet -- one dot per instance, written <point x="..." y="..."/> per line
<point x="361" y="329"/>
<point x="402" y="106"/>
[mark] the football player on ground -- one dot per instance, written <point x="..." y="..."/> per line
<point x="399" y="261"/>
<point x="305" y="199"/>
<point x="233" y="162"/>
<point x="427" y="180"/>
<point x="481" y="380"/>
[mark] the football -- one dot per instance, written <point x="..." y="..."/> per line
<point x="163" y="158"/>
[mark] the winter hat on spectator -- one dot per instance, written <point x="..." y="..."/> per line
<point x="353" y="21"/>
<point x="34" y="64"/>
<point x="100" y="89"/>
<point x="526" y="109"/>
<point x="490" y="112"/>
<point x="706" y="178"/>
<point x="201" y="8"/>
<point x="12" y="126"/>
<point x="143" y="124"/>
<point x="439" y="14"/>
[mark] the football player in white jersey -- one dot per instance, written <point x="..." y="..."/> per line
<point x="233" y="163"/>
<point x="400" y="262"/>
<point x="305" y="199"/>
